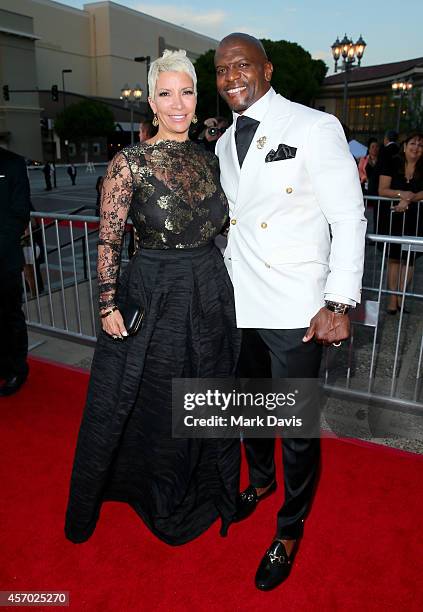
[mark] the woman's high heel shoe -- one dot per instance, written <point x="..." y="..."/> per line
<point x="393" y="311"/>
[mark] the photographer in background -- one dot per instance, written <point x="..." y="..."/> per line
<point x="214" y="128"/>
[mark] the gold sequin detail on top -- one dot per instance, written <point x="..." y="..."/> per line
<point x="146" y="190"/>
<point x="207" y="230"/>
<point x="172" y="192"/>
<point x="163" y="201"/>
<point x="192" y="180"/>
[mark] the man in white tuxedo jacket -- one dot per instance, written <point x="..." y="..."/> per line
<point x="295" y="256"/>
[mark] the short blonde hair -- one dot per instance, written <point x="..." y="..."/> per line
<point x="171" y="61"/>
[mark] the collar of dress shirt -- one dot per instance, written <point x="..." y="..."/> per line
<point x="258" y="110"/>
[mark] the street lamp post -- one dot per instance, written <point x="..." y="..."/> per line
<point x="131" y="98"/>
<point x="64" y="71"/>
<point x="350" y="52"/>
<point x="399" y="90"/>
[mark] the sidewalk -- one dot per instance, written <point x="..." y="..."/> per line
<point x="60" y="351"/>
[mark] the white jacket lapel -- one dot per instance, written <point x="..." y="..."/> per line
<point x="269" y="132"/>
<point x="229" y="165"/>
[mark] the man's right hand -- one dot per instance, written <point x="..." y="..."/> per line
<point x="327" y="328"/>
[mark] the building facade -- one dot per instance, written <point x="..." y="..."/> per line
<point x="40" y="39"/>
<point x="372" y="106"/>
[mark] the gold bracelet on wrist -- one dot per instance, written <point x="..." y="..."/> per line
<point x="109" y="312"/>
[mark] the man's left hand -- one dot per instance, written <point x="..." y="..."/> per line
<point x="327" y="327"/>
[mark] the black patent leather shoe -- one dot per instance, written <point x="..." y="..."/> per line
<point x="275" y="566"/>
<point x="12" y="385"/>
<point x="248" y="501"/>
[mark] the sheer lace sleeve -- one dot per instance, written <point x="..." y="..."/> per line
<point x="116" y="197"/>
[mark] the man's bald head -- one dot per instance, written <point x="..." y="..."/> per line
<point x="246" y="39"/>
<point x="243" y="72"/>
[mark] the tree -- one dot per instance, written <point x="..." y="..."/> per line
<point x="209" y="103"/>
<point x="296" y="75"/>
<point x="415" y="109"/>
<point x="84" y="120"/>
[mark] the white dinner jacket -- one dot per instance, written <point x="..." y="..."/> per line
<point x="280" y="255"/>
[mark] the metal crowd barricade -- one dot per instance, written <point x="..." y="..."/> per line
<point x="388" y="364"/>
<point x="382" y="361"/>
<point x="376" y="204"/>
<point x="64" y="298"/>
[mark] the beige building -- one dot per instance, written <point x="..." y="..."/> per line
<point x="39" y="39"/>
<point x="372" y="106"/>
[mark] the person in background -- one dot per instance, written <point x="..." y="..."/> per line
<point x="31" y="254"/>
<point x="368" y="169"/>
<point x="214" y="128"/>
<point x="53" y="173"/>
<point x="14" y="217"/>
<point x="34" y="255"/>
<point x="72" y="173"/>
<point x="402" y="177"/>
<point x="146" y="130"/>
<point x="390" y="148"/>
<point x="47" y="175"/>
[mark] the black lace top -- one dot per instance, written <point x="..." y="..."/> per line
<point x="171" y="191"/>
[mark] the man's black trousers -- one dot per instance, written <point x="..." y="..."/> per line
<point x="282" y="354"/>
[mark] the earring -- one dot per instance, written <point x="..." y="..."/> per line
<point x="155" y="121"/>
<point x="194" y="119"/>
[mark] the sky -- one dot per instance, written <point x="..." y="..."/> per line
<point x="314" y="24"/>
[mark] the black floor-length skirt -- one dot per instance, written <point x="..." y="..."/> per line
<point x="125" y="450"/>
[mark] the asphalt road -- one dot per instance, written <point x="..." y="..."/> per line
<point x="66" y="197"/>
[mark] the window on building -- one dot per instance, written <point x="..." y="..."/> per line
<point x="96" y="148"/>
<point x="72" y="149"/>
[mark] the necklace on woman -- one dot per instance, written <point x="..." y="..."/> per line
<point x="409" y="173"/>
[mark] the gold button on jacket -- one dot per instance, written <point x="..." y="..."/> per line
<point x="233" y="221"/>
<point x="264" y="225"/>
<point x="289" y="190"/>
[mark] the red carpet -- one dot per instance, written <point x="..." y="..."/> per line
<point x="362" y="548"/>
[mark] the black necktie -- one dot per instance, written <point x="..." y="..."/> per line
<point x="244" y="134"/>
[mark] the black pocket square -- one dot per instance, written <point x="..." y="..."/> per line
<point x="283" y="152"/>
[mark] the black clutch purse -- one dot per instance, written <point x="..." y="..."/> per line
<point x="132" y="315"/>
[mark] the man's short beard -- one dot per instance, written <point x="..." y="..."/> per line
<point x="241" y="108"/>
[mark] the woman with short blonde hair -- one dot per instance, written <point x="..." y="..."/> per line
<point x="170" y="187"/>
<point x="171" y="61"/>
